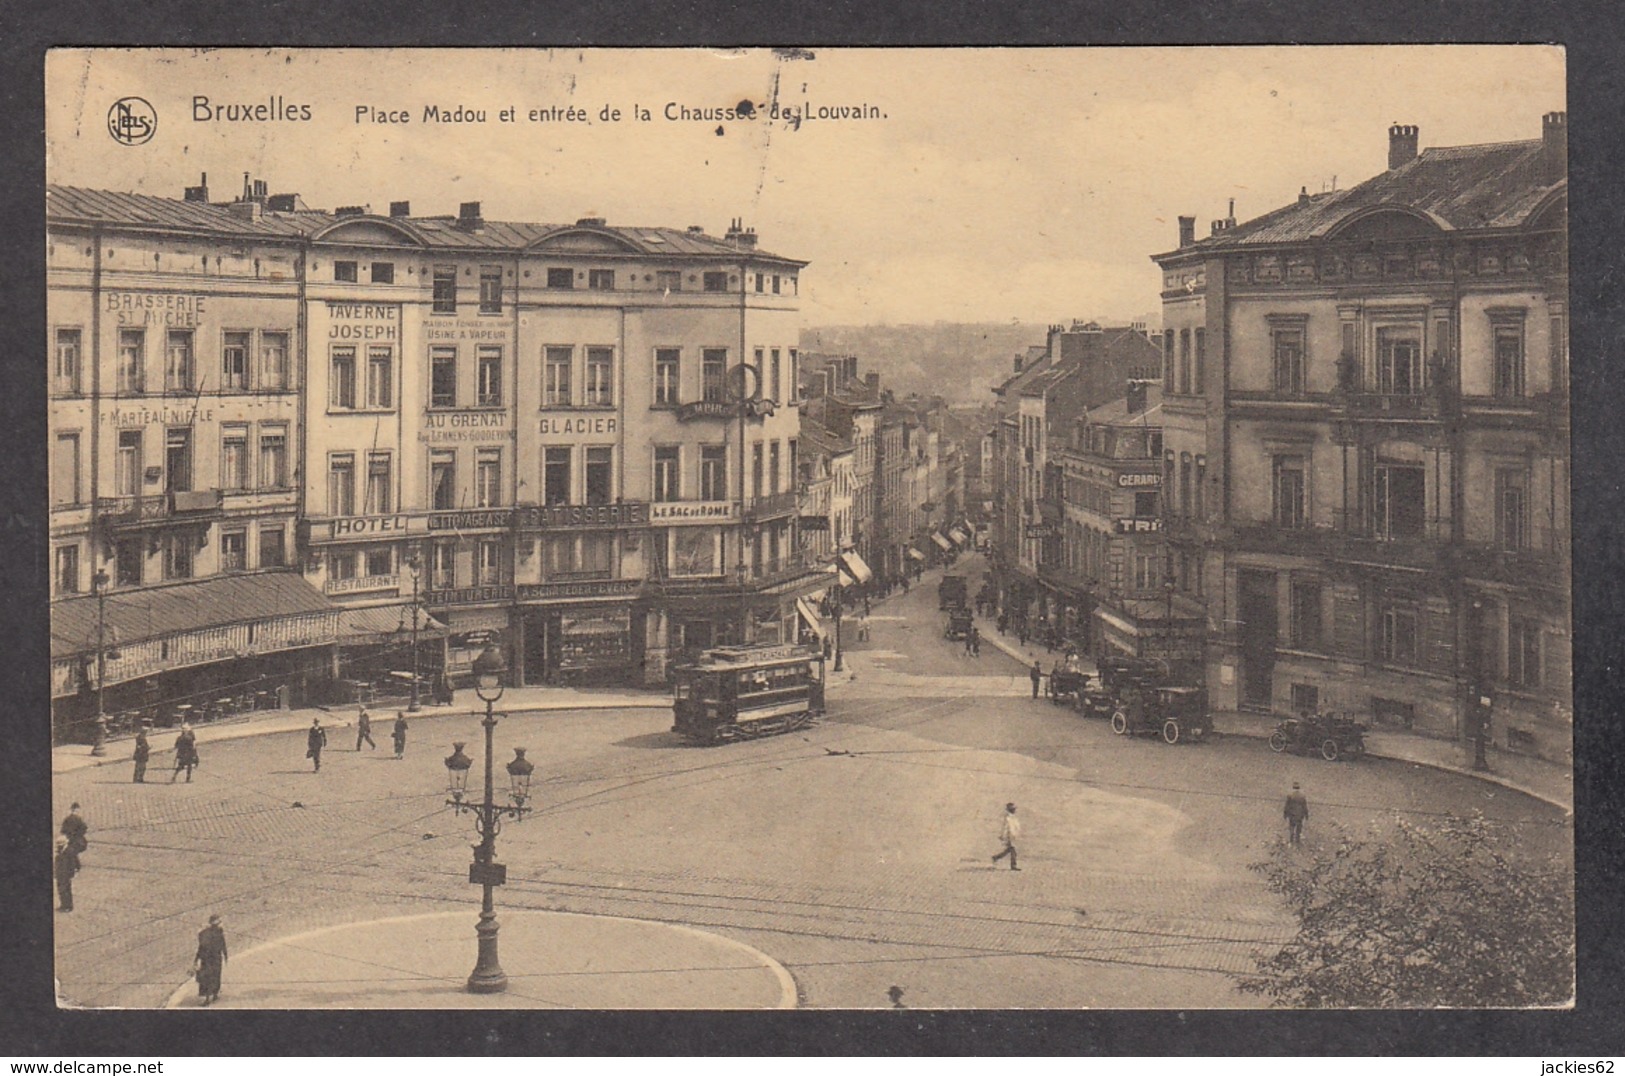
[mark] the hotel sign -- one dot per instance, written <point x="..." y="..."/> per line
<point x="668" y="513"/>
<point x="550" y="516"/>
<point x="362" y="528"/>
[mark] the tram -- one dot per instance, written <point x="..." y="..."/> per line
<point x="740" y="692"/>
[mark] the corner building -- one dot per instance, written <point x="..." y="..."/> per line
<point x="1365" y="457"/>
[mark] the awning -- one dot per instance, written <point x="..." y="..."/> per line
<point x="384" y="623"/>
<point x="942" y="542"/>
<point x="854" y="570"/>
<point x="959" y="536"/>
<point x="810" y="616"/>
<point x="915" y="553"/>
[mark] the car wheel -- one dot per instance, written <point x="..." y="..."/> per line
<point x="1328" y="750"/>
<point x="1170" y="731"/>
<point x="1278" y="742"/>
<point x="1119" y="722"/>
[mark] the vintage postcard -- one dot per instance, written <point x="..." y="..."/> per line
<point x="679" y="529"/>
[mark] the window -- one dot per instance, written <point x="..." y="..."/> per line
<point x="132" y="346"/>
<point x="67" y="569"/>
<point x="776" y="280"/>
<point x="128" y="467"/>
<point x="1183" y="383"/>
<point x="668" y="280"/>
<point x="380" y="485"/>
<point x="490" y="289"/>
<point x="1306" y="606"/>
<point x="273" y="457"/>
<point x="488" y="389"/>
<point x="556" y="376"/>
<point x="344" y="272"/>
<point x="65" y="470"/>
<point x="272" y="550"/>
<point x="601" y="279"/>
<point x="380" y="376"/>
<point x="600" y="474"/>
<point x="713" y="373"/>
<point x="713" y="472"/>
<point x="1146" y="571"/>
<point x="1305" y="698"/>
<point x="716" y="281"/>
<point x="756" y="470"/>
<point x="383" y="272"/>
<point x="1168" y="360"/>
<point x="695" y="551"/>
<point x="488" y="562"/>
<point x="1198" y="365"/>
<point x="341" y="484"/>
<point x="234" y="361"/>
<point x="561" y="278"/>
<point x="1557" y="353"/>
<point x="341" y="381"/>
<point x="794" y="387"/>
<point x="378" y="560"/>
<point x="178" y="361"/>
<point x="1508" y="361"/>
<point x="556" y="475"/>
<point x="668" y="473"/>
<point x="178" y="459"/>
<point x="488" y="477"/>
<point x="1145" y="504"/>
<point x="668" y="373"/>
<point x="1398" y="504"/>
<point x="1511" y="509"/>
<point x="442" y="478"/>
<point x="178" y="556"/>
<point x="1523" y="652"/>
<point x="445" y="290"/>
<point x="233" y="551"/>
<point x="600" y="376"/>
<point x="443" y="377"/>
<point x="340" y="564"/>
<point x="1287" y="345"/>
<point x="443" y="565"/>
<point x="773" y="377"/>
<point x="274" y="360"/>
<point x="234" y="457"/>
<point x="1399" y="362"/>
<point x="590" y="556"/>
<point x="65" y="375"/>
<point x="1289" y="487"/>
<point x="761" y="283"/>
<point x="128" y="560"/>
<point x="773" y="463"/>
<point x="1399" y="635"/>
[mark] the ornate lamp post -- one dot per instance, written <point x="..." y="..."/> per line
<point x="836" y="597"/>
<point x="99" y="583"/>
<point x="488" y="976"/>
<point x="414" y="565"/>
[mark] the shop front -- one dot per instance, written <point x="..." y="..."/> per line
<point x="589" y="632"/>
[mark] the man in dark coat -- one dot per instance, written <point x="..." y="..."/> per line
<point x="1036" y="675"/>
<point x="363" y="729"/>
<point x="399" y="735"/>
<point x="315" y="740"/>
<point x="185" y="754"/>
<point x="210" y="960"/>
<point x="143" y="751"/>
<point x="74" y="830"/>
<point x="1295" y="811"/>
<point x="67" y="865"/>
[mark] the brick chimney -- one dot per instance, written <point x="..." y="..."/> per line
<point x="468" y="217"/>
<point x="400" y="209"/>
<point x="1401" y="145"/>
<point x="871" y="385"/>
<point x="1554" y="146"/>
<point x="739" y="235"/>
<point x="199" y="193"/>
<point x="1187" y="232"/>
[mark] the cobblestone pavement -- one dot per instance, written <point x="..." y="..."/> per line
<point x="855" y="853"/>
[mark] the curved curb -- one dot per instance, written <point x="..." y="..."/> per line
<point x="788" y="998"/>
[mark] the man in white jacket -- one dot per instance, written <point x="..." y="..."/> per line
<point x="1008" y="833"/>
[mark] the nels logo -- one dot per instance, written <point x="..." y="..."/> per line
<point x="132" y="121"/>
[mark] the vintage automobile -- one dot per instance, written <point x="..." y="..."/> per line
<point x="952" y="592"/>
<point x="1333" y="736"/>
<point x="958" y="624"/>
<point x="1068" y="682"/>
<point x="1176" y="712"/>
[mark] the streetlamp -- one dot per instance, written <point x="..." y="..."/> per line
<point x="488" y="976"/>
<point x="99" y="583"/>
<point x="835" y="597"/>
<point x="415" y="567"/>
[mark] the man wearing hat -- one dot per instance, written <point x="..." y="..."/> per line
<point x="210" y="960"/>
<point x="1008" y="834"/>
<point x="67" y="865"/>
<point x="74" y="830"/>
<point x="143" y="751"/>
<point x="315" y="740"/>
<point x="1296" y="810"/>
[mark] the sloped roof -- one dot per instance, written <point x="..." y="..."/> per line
<point x="1116" y="412"/>
<point x="1497" y="185"/>
<point x="819" y="440"/>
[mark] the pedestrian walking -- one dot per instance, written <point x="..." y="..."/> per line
<point x="1021" y="632"/>
<point x="143" y="751"/>
<point x="1036" y="675"/>
<point x="315" y="740"/>
<point x="210" y="960"/>
<point x="363" y="729"/>
<point x="185" y="753"/>
<point x="1002" y="623"/>
<point x="74" y="830"/>
<point x="1295" y="811"/>
<point x="67" y="865"/>
<point x="967" y="643"/>
<point x="866" y="605"/>
<point x="1008" y="834"/>
<point x="399" y="735"/>
<point x="975" y="642"/>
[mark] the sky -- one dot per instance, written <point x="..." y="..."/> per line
<point x="1026" y="185"/>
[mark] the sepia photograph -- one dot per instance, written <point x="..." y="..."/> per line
<point x="677" y="529"/>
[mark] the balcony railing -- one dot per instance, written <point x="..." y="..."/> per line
<point x="1425" y="552"/>
<point x="156" y="507"/>
<point x="773" y="506"/>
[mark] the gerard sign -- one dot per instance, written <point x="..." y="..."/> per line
<point x="1139" y="479"/>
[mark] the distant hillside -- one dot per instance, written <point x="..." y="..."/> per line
<point x="961" y="361"/>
